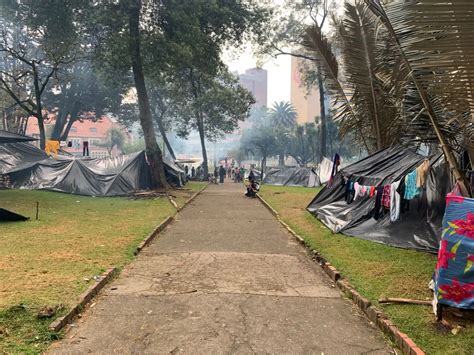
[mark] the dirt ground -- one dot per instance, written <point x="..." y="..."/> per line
<point x="224" y="278"/>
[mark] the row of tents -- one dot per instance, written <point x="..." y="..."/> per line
<point x="28" y="167"/>
<point x="31" y="168"/>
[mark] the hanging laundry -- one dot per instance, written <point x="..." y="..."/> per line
<point x="411" y="191"/>
<point x="378" y="202"/>
<point x="421" y="173"/>
<point x="395" y="199"/>
<point x="404" y="203"/>
<point x="357" y="188"/>
<point x="363" y="191"/>
<point x="372" y="191"/>
<point x="386" y="196"/>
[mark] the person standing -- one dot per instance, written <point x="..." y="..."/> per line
<point x="221" y="174"/>
<point x="186" y="170"/>
<point x="193" y="172"/>
<point x="216" y="173"/>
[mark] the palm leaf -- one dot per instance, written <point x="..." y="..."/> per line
<point x="321" y="49"/>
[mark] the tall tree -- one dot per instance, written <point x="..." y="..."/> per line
<point x="37" y="40"/>
<point x="283" y="116"/>
<point x="218" y="104"/>
<point x="154" y="153"/>
<point x="79" y="95"/>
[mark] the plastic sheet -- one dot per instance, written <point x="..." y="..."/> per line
<point x="31" y="168"/>
<point x="306" y="177"/>
<point x="9" y="137"/>
<point x="419" y="228"/>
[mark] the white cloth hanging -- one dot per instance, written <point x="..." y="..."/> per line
<point x="395" y="200"/>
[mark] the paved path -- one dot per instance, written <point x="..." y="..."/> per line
<point x="224" y="278"/>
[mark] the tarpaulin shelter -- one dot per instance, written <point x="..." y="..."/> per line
<point x="9" y="216"/>
<point x="30" y="168"/>
<point x="9" y="137"/>
<point x="418" y="228"/>
<point x="285" y="176"/>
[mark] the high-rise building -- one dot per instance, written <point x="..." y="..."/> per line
<point x="255" y="81"/>
<point x="305" y="103"/>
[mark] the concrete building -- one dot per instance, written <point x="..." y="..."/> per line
<point x="255" y="80"/>
<point x="305" y="103"/>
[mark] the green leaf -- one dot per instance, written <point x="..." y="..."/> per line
<point x="468" y="266"/>
<point x="454" y="249"/>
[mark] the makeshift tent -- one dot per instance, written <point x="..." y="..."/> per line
<point x="9" y="137"/>
<point x="418" y="228"/>
<point x="9" y="216"/>
<point x="31" y="168"/>
<point x="306" y="177"/>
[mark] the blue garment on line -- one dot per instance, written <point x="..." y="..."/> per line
<point x="411" y="191"/>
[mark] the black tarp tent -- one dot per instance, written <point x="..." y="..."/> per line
<point x="9" y="137"/>
<point x="30" y="168"/>
<point x="419" y="228"/>
<point x="286" y="176"/>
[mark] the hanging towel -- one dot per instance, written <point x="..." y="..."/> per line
<point x="386" y="196"/>
<point x="394" y="202"/>
<point x="411" y="191"/>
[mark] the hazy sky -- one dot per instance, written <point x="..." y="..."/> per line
<point x="279" y="72"/>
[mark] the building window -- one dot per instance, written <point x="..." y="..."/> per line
<point x="93" y="130"/>
<point x="73" y="130"/>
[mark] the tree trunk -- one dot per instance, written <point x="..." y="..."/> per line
<point x="162" y="130"/>
<point x="322" y="114"/>
<point x="281" y="159"/>
<point x="263" y="166"/>
<point x="59" y="125"/>
<point x="42" y="132"/>
<point x="202" y="137"/>
<point x="67" y="129"/>
<point x="39" y="108"/>
<point x="153" y="151"/>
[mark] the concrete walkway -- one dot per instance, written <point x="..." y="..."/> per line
<point x="224" y="278"/>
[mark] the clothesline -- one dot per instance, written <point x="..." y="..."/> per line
<point x="392" y="197"/>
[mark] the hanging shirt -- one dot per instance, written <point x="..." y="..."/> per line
<point x="411" y="191"/>
<point x="421" y="172"/>
<point x="378" y="202"/>
<point x="394" y="202"/>
<point x="386" y="196"/>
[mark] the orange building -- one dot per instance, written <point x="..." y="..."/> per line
<point x="306" y="104"/>
<point x="95" y="133"/>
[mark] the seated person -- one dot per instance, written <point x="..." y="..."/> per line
<point x="252" y="188"/>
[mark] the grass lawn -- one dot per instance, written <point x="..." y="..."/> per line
<point x="49" y="261"/>
<point x="375" y="270"/>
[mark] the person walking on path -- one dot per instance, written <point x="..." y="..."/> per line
<point x="193" y="172"/>
<point x="221" y="174"/>
<point x="229" y="172"/>
<point x="186" y="170"/>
